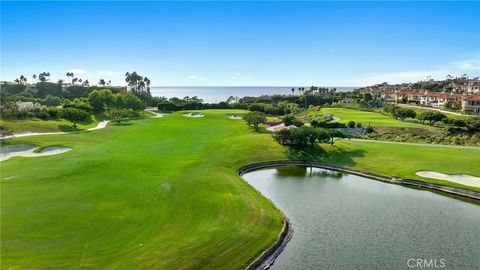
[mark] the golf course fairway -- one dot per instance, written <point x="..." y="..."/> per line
<point x="162" y="193"/>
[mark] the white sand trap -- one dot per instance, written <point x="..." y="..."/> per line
<point x="276" y="128"/>
<point x="235" y="117"/>
<point x="155" y="112"/>
<point x="463" y="179"/>
<point x="195" y="114"/>
<point x="27" y="150"/>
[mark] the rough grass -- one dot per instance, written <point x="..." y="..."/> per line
<point x="162" y="193"/>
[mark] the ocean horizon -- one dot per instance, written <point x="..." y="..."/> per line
<point x="214" y="94"/>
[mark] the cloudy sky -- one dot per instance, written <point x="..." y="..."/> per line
<point x="242" y="43"/>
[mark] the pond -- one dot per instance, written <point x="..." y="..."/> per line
<point x="344" y="221"/>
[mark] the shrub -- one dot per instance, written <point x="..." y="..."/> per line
<point x="359" y="125"/>
<point x="369" y="129"/>
<point x="351" y="124"/>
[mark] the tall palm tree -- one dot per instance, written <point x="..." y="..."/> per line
<point x="102" y="82"/>
<point x="34" y="76"/>
<point x="293" y="90"/>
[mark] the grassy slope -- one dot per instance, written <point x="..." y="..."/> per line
<point x="367" y="118"/>
<point x="398" y="160"/>
<point x="167" y="183"/>
<point x="39" y="125"/>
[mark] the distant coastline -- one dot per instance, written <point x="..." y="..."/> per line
<point x="214" y="94"/>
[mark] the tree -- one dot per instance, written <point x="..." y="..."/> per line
<point x="293" y="90"/>
<point x="52" y="101"/>
<point x="34" y="76"/>
<point x="74" y="115"/>
<point x="128" y="101"/>
<point x="403" y="113"/>
<point x="101" y="100"/>
<point x="165" y="105"/>
<point x="44" y="76"/>
<point x="255" y="119"/>
<point x="86" y="83"/>
<point x="101" y="82"/>
<point x="70" y="74"/>
<point x="117" y="114"/>
<point x="431" y="116"/>
<point x="351" y="124"/>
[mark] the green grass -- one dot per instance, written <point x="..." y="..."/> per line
<point x="162" y="193"/>
<point x="398" y="160"/>
<point x="366" y="118"/>
<point x="149" y="194"/>
<point x="39" y="125"/>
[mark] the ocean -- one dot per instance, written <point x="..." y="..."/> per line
<point x="214" y="94"/>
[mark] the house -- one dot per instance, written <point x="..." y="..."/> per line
<point x="471" y="104"/>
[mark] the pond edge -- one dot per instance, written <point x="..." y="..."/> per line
<point x="267" y="258"/>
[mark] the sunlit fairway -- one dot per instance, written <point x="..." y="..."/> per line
<point x="162" y="193"/>
<point x="154" y="193"/>
<point x="367" y="118"/>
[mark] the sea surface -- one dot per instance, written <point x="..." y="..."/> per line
<point x="211" y="94"/>
<point x="344" y="221"/>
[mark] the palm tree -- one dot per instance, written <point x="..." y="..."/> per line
<point x="109" y="82"/>
<point x="70" y="74"/>
<point x="23" y="79"/>
<point x="86" y="83"/>
<point x="102" y="82"/>
<point x="293" y="90"/>
<point x="34" y="76"/>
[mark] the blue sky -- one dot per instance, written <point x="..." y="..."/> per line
<point x="242" y="43"/>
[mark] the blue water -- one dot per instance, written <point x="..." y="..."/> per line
<point x="221" y="93"/>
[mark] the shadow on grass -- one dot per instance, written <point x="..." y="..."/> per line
<point x="335" y="155"/>
<point x="65" y="128"/>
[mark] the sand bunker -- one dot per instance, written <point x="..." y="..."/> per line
<point x="234" y="117"/>
<point x="155" y="112"/>
<point x="195" y="114"/>
<point x="463" y="179"/>
<point x="27" y="150"/>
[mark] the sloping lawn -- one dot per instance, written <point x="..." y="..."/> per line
<point x="39" y="125"/>
<point x="398" y="160"/>
<point x="162" y="193"/>
<point x="149" y="194"/>
<point x="367" y="118"/>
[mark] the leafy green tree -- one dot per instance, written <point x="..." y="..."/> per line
<point x="101" y="100"/>
<point x="403" y="113"/>
<point x="255" y="119"/>
<point x="351" y="124"/>
<point x="165" y="105"/>
<point x="52" y="101"/>
<point x="129" y="101"/>
<point x="74" y="115"/>
<point x="431" y="117"/>
<point x="117" y="114"/>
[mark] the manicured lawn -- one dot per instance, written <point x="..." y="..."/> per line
<point x="367" y="118"/>
<point x="162" y="193"/>
<point x="398" y="160"/>
<point x="156" y="193"/>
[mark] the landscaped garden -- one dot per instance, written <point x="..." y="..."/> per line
<point x="163" y="193"/>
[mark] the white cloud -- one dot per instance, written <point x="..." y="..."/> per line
<point x="471" y="67"/>
<point x="78" y="71"/>
<point x="193" y="77"/>
<point x="110" y="73"/>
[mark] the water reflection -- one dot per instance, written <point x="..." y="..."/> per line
<point x="303" y="171"/>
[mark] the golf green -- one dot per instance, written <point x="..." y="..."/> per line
<point x="162" y="193"/>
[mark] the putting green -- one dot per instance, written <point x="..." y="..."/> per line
<point x="162" y="193"/>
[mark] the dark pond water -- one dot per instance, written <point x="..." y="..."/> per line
<point x="343" y="221"/>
